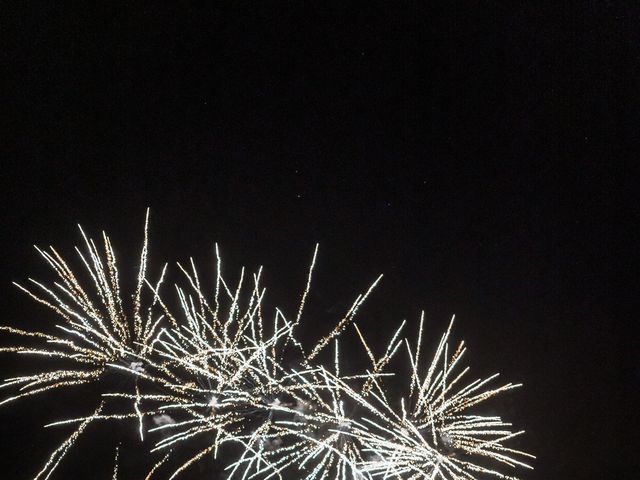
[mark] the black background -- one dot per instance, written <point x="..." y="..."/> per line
<point x="468" y="151"/>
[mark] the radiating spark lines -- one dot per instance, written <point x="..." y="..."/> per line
<point x="219" y="373"/>
<point x="437" y="438"/>
<point x="94" y="332"/>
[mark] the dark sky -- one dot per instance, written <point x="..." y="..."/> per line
<point x="468" y="151"/>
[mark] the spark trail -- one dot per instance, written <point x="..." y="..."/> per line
<point x="218" y="372"/>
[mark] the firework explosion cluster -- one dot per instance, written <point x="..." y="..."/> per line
<point x="218" y="372"/>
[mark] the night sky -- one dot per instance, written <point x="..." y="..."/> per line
<point x="469" y="152"/>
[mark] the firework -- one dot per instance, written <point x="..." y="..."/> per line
<point x="218" y="372"/>
<point x="94" y="333"/>
<point x="234" y="385"/>
<point x="437" y="438"/>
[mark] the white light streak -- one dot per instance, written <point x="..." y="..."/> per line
<point x="221" y="371"/>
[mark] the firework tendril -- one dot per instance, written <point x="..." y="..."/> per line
<point x="216" y="371"/>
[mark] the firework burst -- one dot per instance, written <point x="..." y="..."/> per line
<point x="233" y="383"/>
<point x="217" y="372"/>
<point x="437" y="438"/>
<point x="94" y="332"/>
